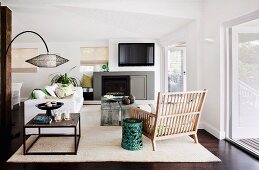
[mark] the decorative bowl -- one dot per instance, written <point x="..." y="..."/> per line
<point x="48" y="109"/>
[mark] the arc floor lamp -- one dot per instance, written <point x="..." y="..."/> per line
<point x="43" y="60"/>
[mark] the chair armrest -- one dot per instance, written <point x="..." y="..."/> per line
<point x="147" y="118"/>
<point x="135" y="110"/>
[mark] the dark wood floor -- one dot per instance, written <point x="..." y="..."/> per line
<point x="232" y="157"/>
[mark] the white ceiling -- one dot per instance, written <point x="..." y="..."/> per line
<point x="84" y="20"/>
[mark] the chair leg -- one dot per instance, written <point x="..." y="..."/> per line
<point x="154" y="145"/>
<point x="195" y="137"/>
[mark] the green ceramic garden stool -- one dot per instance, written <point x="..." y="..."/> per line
<point x="132" y="134"/>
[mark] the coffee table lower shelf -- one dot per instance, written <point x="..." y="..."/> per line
<point x="26" y="149"/>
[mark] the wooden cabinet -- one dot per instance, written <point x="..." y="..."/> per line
<point x="88" y="95"/>
<point x="138" y="87"/>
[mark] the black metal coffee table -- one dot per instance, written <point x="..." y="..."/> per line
<point x="74" y="123"/>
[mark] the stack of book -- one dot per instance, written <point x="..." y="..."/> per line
<point x="42" y="119"/>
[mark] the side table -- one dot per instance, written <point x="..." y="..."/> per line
<point x="74" y="123"/>
<point x="132" y="134"/>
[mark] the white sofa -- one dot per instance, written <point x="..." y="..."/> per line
<point x="73" y="104"/>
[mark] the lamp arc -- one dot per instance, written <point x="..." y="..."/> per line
<point x="24" y="33"/>
<point x="42" y="60"/>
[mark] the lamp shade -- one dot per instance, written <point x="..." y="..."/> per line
<point x="42" y="60"/>
<point x="47" y="60"/>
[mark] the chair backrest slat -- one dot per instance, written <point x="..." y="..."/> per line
<point x="178" y="112"/>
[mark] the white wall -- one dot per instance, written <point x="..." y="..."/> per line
<point x="188" y="34"/>
<point x="205" y="56"/>
<point x="205" y="59"/>
<point x="113" y="59"/>
<point x="211" y="68"/>
<point x="70" y="51"/>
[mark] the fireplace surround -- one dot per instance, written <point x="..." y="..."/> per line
<point x="141" y="83"/>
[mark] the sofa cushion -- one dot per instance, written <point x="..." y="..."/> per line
<point x="71" y="97"/>
<point x="51" y="97"/>
<point x="64" y="90"/>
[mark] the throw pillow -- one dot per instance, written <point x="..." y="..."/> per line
<point x="87" y="81"/>
<point x="39" y="94"/>
<point x="51" y="90"/>
<point x="64" y="90"/>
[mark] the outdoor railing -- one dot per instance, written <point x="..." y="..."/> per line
<point x="250" y="94"/>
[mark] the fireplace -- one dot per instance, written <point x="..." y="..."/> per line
<point x="116" y="85"/>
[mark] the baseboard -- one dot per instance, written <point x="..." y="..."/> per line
<point x="212" y="130"/>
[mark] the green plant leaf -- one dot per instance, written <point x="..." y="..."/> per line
<point x="64" y="78"/>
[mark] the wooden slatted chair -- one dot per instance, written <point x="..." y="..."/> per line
<point x="177" y="114"/>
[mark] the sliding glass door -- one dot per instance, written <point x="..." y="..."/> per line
<point x="244" y="118"/>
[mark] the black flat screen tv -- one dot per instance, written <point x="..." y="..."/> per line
<point x="136" y="54"/>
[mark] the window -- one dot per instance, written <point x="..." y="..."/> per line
<point x="92" y="58"/>
<point x="19" y="56"/>
<point x="86" y="68"/>
<point x="94" y="55"/>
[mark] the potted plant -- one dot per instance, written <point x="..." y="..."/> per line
<point x="64" y="78"/>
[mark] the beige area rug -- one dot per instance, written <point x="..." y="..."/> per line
<point x="102" y="143"/>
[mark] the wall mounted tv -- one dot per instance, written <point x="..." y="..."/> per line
<point x="136" y="54"/>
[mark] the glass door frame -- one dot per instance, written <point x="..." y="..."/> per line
<point x="165" y="70"/>
<point x="228" y="76"/>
